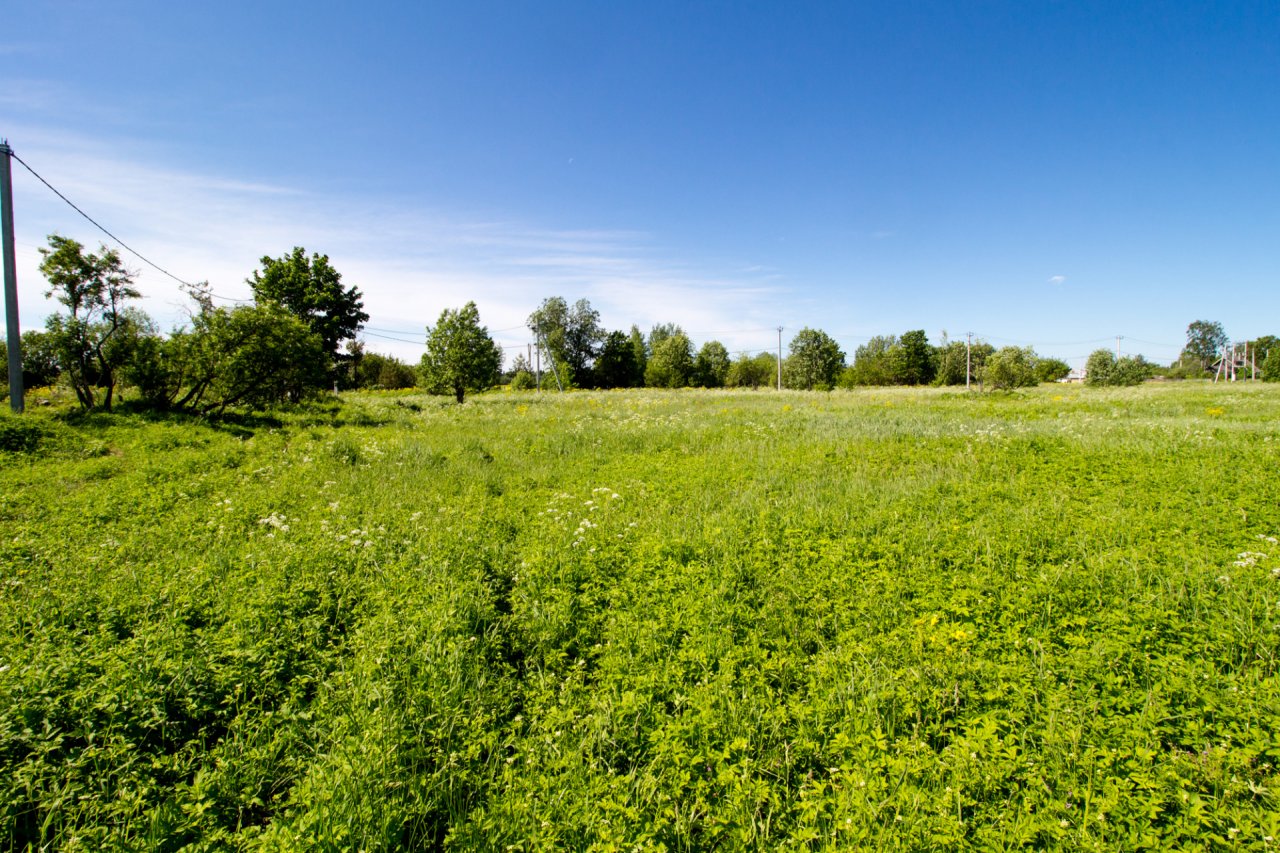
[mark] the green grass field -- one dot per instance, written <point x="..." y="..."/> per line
<point x="697" y="620"/>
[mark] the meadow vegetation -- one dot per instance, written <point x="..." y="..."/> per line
<point x="688" y="620"/>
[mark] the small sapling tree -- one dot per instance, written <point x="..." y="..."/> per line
<point x="460" y="355"/>
<point x="94" y="339"/>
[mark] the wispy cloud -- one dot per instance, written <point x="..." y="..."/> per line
<point x="410" y="263"/>
<point x="1057" y="279"/>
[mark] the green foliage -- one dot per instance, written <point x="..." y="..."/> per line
<point x="1132" y="370"/>
<point x="250" y="356"/>
<point x="1259" y="348"/>
<point x="1051" y="369"/>
<point x="1010" y="367"/>
<point x="616" y="366"/>
<point x="460" y="355"/>
<point x="641" y="351"/>
<point x="753" y="371"/>
<point x="1205" y="340"/>
<point x="39" y="359"/>
<point x="661" y="332"/>
<point x="902" y="619"/>
<point x="671" y="363"/>
<point x="570" y="336"/>
<point x="814" y="360"/>
<point x="1099" y="368"/>
<point x="1103" y="368"/>
<point x="523" y="381"/>
<point x="912" y="360"/>
<point x="872" y="364"/>
<point x="96" y="337"/>
<point x="311" y="289"/>
<point x="377" y="371"/>
<point x="1271" y="367"/>
<point x="711" y="368"/>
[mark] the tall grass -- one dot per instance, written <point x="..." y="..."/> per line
<point x="683" y="621"/>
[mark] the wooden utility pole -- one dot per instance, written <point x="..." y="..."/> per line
<point x="779" y="358"/>
<point x="17" y="396"/>
<point x="968" y="359"/>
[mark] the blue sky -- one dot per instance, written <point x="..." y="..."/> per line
<point x="1053" y="174"/>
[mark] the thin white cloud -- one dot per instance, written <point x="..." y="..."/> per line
<point x="1057" y="279"/>
<point x="409" y="263"/>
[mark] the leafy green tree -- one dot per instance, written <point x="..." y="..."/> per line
<point x="40" y="366"/>
<point x="1010" y="367"/>
<point x="661" y="332"/>
<point x="1051" y="369"/>
<point x="460" y="355"/>
<point x="1259" y="348"/>
<point x="640" y="350"/>
<point x="954" y="362"/>
<point x="311" y="290"/>
<point x="753" y="371"/>
<point x="671" y="364"/>
<point x="250" y="356"/>
<point x="96" y="336"/>
<point x="871" y="363"/>
<point x="912" y="359"/>
<point x="1132" y="370"/>
<point x="1099" y="367"/>
<point x="711" y="367"/>
<point x="1205" y="341"/>
<point x="814" y="361"/>
<point x="616" y="367"/>
<point x="1271" y="367"/>
<point x="1103" y="368"/>
<point x="571" y="335"/>
<point x="384" y="371"/>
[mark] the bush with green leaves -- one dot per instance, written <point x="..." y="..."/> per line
<point x="616" y="366"/>
<point x="1051" y="369"/>
<point x="814" y="361"/>
<point x="670" y="364"/>
<point x="1271" y="367"/>
<point x="1009" y="368"/>
<point x="249" y="356"/>
<point x="711" y="367"/>
<point x="1103" y="368"/>
<point x="753" y="371"/>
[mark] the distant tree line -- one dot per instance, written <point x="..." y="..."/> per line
<point x="579" y="353"/>
<point x="299" y="337"/>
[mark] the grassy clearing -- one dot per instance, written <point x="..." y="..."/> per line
<point x="682" y="621"/>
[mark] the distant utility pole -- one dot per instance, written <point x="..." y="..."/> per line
<point x="968" y="359"/>
<point x="1118" y="337"/>
<point x="779" y="358"/>
<point x="16" y="393"/>
<point x="551" y="360"/>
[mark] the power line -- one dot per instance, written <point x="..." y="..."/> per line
<point x="99" y="226"/>
<point x="390" y="338"/>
